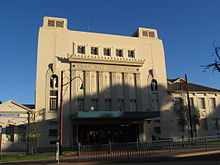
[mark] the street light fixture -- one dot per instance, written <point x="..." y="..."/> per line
<point x="61" y="108"/>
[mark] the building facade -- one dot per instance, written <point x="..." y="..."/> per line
<point x="107" y="86"/>
<point x="14" y="119"/>
<point x="204" y="104"/>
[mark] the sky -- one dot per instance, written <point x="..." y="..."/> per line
<point x="188" y="29"/>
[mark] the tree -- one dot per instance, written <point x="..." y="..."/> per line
<point x="182" y="113"/>
<point x="216" y="64"/>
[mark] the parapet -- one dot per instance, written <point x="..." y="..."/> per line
<point x="145" y="33"/>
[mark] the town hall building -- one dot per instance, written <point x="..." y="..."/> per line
<point x="108" y="87"/>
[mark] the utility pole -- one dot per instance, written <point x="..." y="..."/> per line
<point x="189" y="107"/>
<point x="61" y="116"/>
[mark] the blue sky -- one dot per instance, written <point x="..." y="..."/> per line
<point x="187" y="28"/>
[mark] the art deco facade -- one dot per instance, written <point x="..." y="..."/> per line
<point x="124" y="79"/>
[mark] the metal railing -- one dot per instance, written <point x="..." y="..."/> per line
<point x="122" y="151"/>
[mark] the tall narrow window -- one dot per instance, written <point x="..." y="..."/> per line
<point x="204" y="124"/>
<point x="53" y="100"/>
<point x="133" y="105"/>
<point x="120" y="104"/>
<point x="191" y="102"/>
<point x="10" y="133"/>
<point x="178" y="101"/>
<point x="108" y="105"/>
<point x="80" y="104"/>
<point x="215" y="123"/>
<point x="212" y="103"/>
<point x="202" y="103"/>
<point x="94" y="103"/>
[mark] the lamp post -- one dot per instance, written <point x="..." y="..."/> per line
<point x="61" y="108"/>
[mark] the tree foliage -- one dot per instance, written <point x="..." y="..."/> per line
<point x="182" y="112"/>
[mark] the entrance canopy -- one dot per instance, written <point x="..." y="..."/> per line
<point x="114" y="115"/>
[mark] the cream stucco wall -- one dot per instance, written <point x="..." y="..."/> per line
<point x="57" y="44"/>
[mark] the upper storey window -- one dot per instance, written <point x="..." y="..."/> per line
<point x="148" y="33"/>
<point x="107" y="51"/>
<point x="81" y="49"/>
<point x="119" y="52"/>
<point x="131" y="53"/>
<point x="94" y="50"/>
<point x="53" y="23"/>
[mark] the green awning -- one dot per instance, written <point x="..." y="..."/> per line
<point x="114" y="115"/>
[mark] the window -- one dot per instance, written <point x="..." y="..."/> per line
<point x="54" y="93"/>
<point x="119" y="52"/>
<point x="204" y="124"/>
<point x="151" y="34"/>
<point x="202" y="103"/>
<point x="94" y="50"/>
<point x="10" y="133"/>
<point x="94" y="103"/>
<point x="120" y="104"/>
<point x="22" y="133"/>
<point x="191" y="102"/>
<point x="81" y="49"/>
<point x="215" y="123"/>
<point x="145" y="33"/>
<point x="133" y="105"/>
<point x="107" y="51"/>
<point x="157" y="130"/>
<point x="53" y="132"/>
<point x="59" y="23"/>
<point x="80" y="104"/>
<point x="53" y="103"/>
<point x="177" y="102"/>
<point x="212" y="103"/>
<point x="131" y="53"/>
<point x="51" y="23"/>
<point x="180" y="125"/>
<point x="108" y="105"/>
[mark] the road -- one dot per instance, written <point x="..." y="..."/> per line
<point x="212" y="159"/>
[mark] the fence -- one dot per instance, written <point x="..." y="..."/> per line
<point x="129" y="151"/>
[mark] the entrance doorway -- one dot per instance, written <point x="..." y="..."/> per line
<point x="103" y="134"/>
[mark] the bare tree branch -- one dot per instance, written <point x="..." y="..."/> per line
<point x="216" y="64"/>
